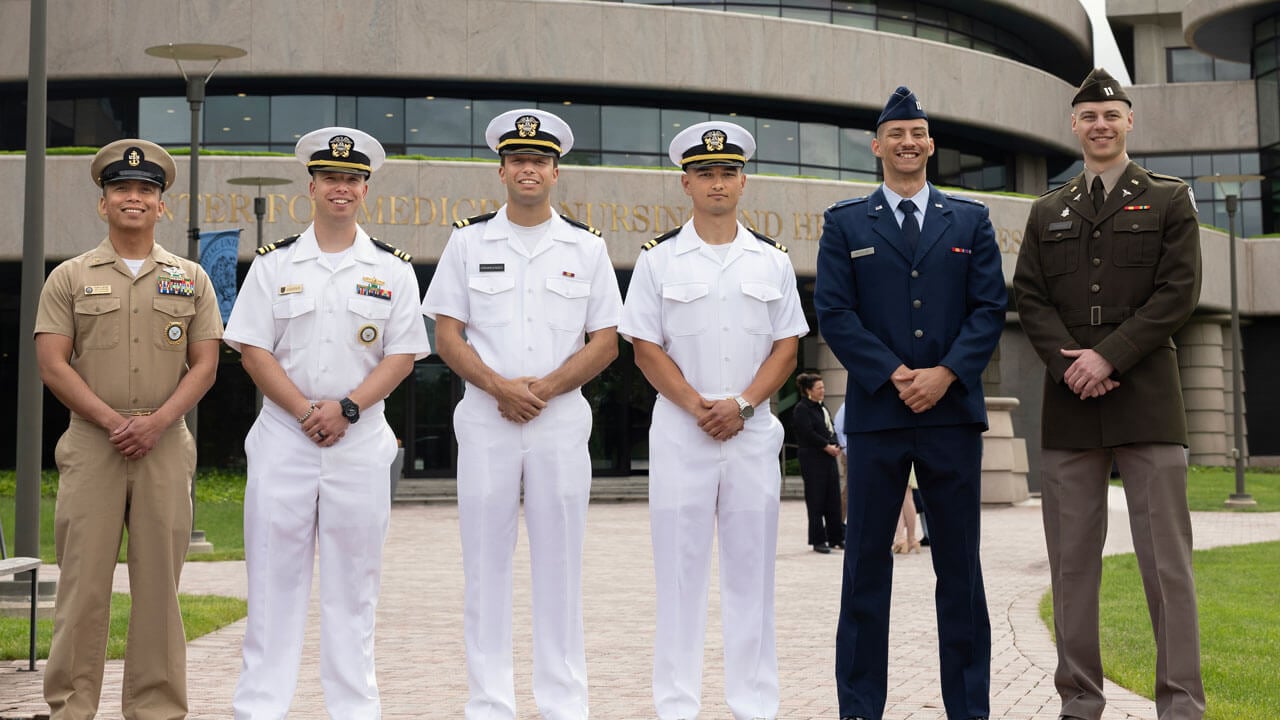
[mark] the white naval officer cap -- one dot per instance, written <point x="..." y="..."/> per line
<point x="529" y="131"/>
<point x="712" y="143"/>
<point x="340" y="149"/>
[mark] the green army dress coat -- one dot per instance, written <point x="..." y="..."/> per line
<point x="1121" y="282"/>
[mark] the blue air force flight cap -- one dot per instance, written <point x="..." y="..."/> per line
<point x="903" y="105"/>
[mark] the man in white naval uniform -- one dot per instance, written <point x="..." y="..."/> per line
<point x="327" y="324"/>
<point x="715" y="319"/>
<point x="527" y="285"/>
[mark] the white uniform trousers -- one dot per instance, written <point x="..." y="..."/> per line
<point x="550" y="454"/>
<point x="696" y="486"/>
<point x="298" y="494"/>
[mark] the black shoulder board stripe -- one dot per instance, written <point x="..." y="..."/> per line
<point x="278" y="244"/>
<point x="768" y="240"/>
<point x="850" y="201"/>
<point x="392" y="249"/>
<point x="661" y="238"/>
<point x="582" y="225"/>
<point x="474" y="219"/>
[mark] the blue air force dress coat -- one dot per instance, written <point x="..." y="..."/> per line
<point x="1120" y="283"/>
<point x="944" y="305"/>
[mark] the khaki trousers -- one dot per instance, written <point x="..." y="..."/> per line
<point x="1074" y="502"/>
<point x="99" y="494"/>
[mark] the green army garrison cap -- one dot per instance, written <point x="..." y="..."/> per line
<point x="1100" y="87"/>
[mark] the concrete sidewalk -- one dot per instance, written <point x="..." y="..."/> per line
<point x="421" y="665"/>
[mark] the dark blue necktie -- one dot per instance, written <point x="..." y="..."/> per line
<point x="910" y="228"/>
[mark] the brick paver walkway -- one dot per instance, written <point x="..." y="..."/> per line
<point x="421" y="667"/>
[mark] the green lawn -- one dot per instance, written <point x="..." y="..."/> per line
<point x="1209" y="487"/>
<point x="1239" y="628"/>
<point x="201" y="614"/>
<point x="219" y="513"/>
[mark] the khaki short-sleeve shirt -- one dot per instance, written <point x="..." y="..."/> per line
<point x="129" y="334"/>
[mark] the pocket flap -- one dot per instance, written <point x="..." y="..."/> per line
<point x="569" y="287"/>
<point x="98" y="306"/>
<point x="1136" y="222"/>
<point x="685" y="292"/>
<point x="761" y="291"/>
<point x="491" y="284"/>
<point x="174" y="307"/>
<point x="372" y="309"/>
<point x="292" y="307"/>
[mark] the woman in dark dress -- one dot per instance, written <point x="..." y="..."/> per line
<point x="818" y="451"/>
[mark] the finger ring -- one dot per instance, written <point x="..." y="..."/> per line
<point x="320" y="434"/>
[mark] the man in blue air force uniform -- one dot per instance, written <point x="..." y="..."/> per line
<point x="911" y="299"/>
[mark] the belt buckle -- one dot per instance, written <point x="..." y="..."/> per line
<point x="1095" y="314"/>
<point x="140" y="413"/>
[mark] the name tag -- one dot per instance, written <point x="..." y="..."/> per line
<point x="97" y="289"/>
<point x="862" y="253"/>
<point x="1062" y="225"/>
<point x="492" y="267"/>
<point x="290" y="289"/>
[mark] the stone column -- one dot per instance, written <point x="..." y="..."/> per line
<point x="1004" y="457"/>
<point x="1201" y="353"/>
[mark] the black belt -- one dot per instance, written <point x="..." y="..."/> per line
<point x="1096" y="315"/>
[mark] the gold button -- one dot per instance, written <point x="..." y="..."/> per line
<point x="915" y="273"/>
<point x="1097" y="234"/>
<point x="915" y="304"/>
<point x="1135" y="226"/>
<point x="1097" y="262"/>
<point x="1095" y="287"/>
<point x="919" y="333"/>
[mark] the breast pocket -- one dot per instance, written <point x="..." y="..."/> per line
<point x="491" y="299"/>
<point x="566" y="303"/>
<point x="98" y="322"/>
<point x="1137" y="238"/>
<point x="685" y="307"/>
<point x="172" y="319"/>
<point x="368" y="320"/>
<point x="755" y="307"/>
<point x="1060" y="250"/>
<point x="294" y="321"/>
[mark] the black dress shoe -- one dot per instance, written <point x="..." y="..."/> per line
<point x="853" y="717"/>
<point x="837" y="545"/>
<point x="822" y="548"/>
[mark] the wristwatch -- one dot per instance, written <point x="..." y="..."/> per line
<point x="350" y="410"/>
<point x="745" y="410"/>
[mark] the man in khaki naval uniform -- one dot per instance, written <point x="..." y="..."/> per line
<point x="127" y="338"/>
<point x="1109" y="269"/>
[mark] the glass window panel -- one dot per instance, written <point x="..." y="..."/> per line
<point x="1227" y="70"/>
<point x="1176" y="165"/>
<point x="855" y="151"/>
<point x="439" y="151"/>
<point x="773" y="168"/>
<point x="1226" y="164"/>
<point x="857" y="20"/>
<point x="822" y="16"/>
<point x="165" y="120"/>
<point x="383" y="118"/>
<point x="1266" y="57"/>
<point x="959" y="39"/>
<point x="931" y="33"/>
<point x="439" y="122"/>
<point x="931" y="14"/>
<point x="829" y="173"/>
<point x="960" y="23"/>
<point x="583" y="120"/>
<point x="1200" y="165"/>
<point x="752" y="9"/>
<point x="346" y="112"/>
<point x="898" y="27"/>
<point x="859" y="176"/>
<point x="631" y="159"/>
<point x="819" y="145"/>
<point x="630" y="129"/>
<point x="293" y="116"/>
<point x="777" y="141"/>
<point x="237" y="120"/>
<point x="1265" y="30"/>
<point x="1249" y="163"/>
<point x="1250" y="215"/>
<point x="673" y="121"/>
<point x="1268" y="89"/>
<point x="1187" y="65"/>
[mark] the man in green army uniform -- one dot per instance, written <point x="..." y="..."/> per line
<point x="1108" y="271"/>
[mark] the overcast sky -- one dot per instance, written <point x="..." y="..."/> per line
<point x="1106" y="53"/>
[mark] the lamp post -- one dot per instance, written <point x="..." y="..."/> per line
<point x="1228" y="187"/>
<point x="259" y="202"/>
<point x="195" y="52"/>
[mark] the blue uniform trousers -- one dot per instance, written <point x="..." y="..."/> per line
<point x="948" y="466"/>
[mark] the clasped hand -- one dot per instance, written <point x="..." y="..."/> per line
<point x="721" y="419"/>
<point x="518" y="400"/>
<point x="1089" y="374"/>
<point x="921" y="389"/>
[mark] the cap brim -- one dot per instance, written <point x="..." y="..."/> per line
<point x="335" y="169"/>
